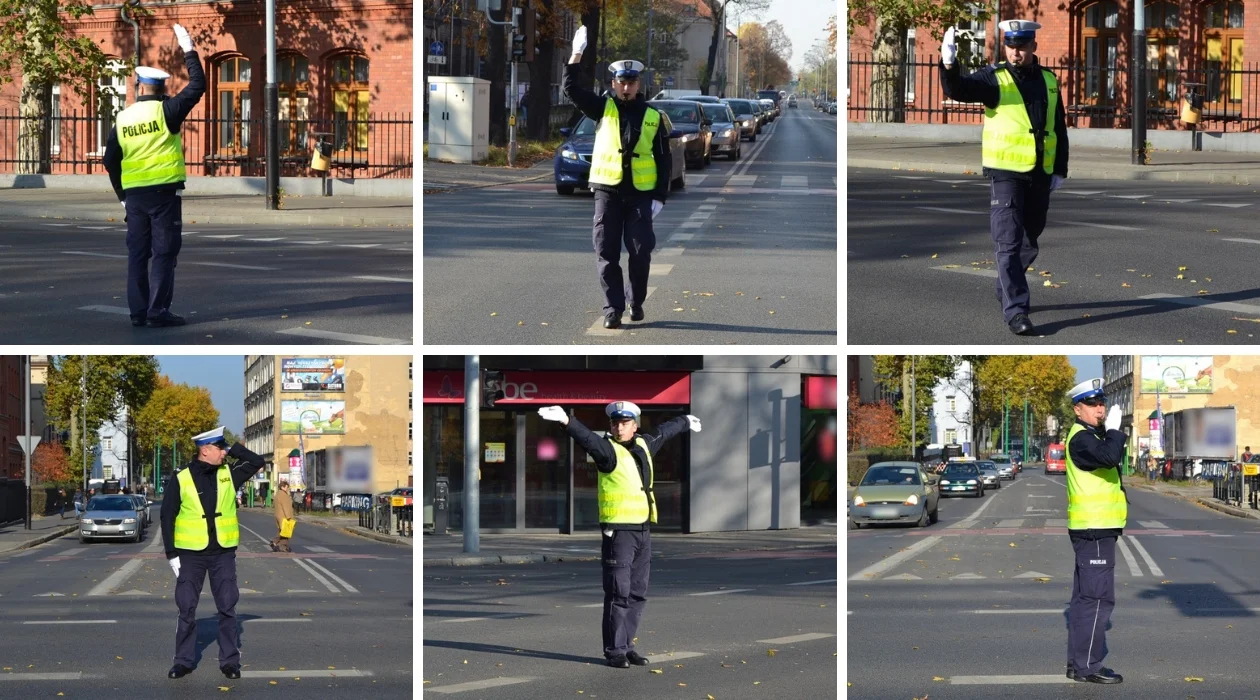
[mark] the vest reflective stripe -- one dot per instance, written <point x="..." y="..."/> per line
<point x="622" y="498"/>
<point x="1095" y="501"/>
<point x="1008" y="142"/>
<point x="191" y="530"/>
<point x="152" y="155"/>
<point x="606" y="157"/>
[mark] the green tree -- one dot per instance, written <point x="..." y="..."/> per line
<point x="1041" y="380"/>
<point x="628" y="37"/>
<point x="173" y="414"/>
<point x="718" y="10"/>
<point x="917" y="376"/>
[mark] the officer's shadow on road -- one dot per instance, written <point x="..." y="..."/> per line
<point x="1201" y="600"/>
<point x="728" y="328"/>
<point x="513" y="651"/>
<point x="1134" y="308"/>
<point x="208" y="632"/>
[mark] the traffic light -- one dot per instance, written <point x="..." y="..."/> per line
<point x="530" y="30"/>
<point x="491" y="387"/>
<point x="518" y="47"/>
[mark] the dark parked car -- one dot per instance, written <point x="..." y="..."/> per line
<point x="573" y="157"/>
<point x="762" y="114"/>
<point x="726" y="133"/>
<point x="961" y="478"/>
<point x="746" y="115"/>
<point x="688" y="118"/>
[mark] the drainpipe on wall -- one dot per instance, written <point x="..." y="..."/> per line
<point x="135" y="29"/>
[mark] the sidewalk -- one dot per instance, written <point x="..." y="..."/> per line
<point x="1195" y="494"/>
<point x="350" y="524"/>
<point x="15" y="536"/>
<point x="325" y="212"/>
<point x="444" y="177"/>
<point x="447" y="550"/>
<point x="946" y="157"/>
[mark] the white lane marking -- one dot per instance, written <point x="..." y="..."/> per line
<point x="659" y="269"/>
<point x="591" y="605"/>
<point x="316" y="574"/>
<point x="124" y="572"/>
<point x="1150" y="563"/>
<point x="347" y="337"/>
<point x="1033" y="574"/>
<point x="92" y="255"/>
<point x="377" y="278"/>
<point x="691" y="224"/>
<point x="59" y="224"/>
<point x="741" y="181"/>
<point x="707" y="207"/>
<point x="902" y="577"/>
<point x="280" y="619"/>
<point x="812" y="583"/>
<point x="956" y="182"/>
<point x="221" y="235"/>
<point x="1083" y="193"/>
<point x="875" y="570"/>
<point x="69" y="622"/>
<point x="71" y="552"/>
<point x="809" y="637"/>
<point x="911" y="177"/>
<point x="1199" y="301"/>
<point x="713" y="200"/>
<point x="1010" y="680"/>
<point x="332" y="576"/>
<point x="1130" y="196"/>
<point x="669" y="252"/>
<point x="1125" y="554"/>
<point x="1178" y="201"/>
<point x="263" y="240"/>
<point x="1042" y="611"/>
<point x="96" y="228"/>
<point x="597" y="328"/>
<point x="672" y="656"/>
<point x="496" y="616"/>
<point x="693" y="180"/>
<point x="1030" y="509"/>
<point x="1152" y="524"/>
<point x="966" y="577"/>
<point x="1017" y="522"/>
<point x="311" y="242"/>
<point x="233" y="266"/>
<point x="316" y="548"/>
<point x="968" y="271"/>
<point x="1109" y="227"/>
<point x="700" y="215"/>
<point x="794" y="181"/>
<point x="311" y="673"/>
<point x="50" y="595"/>
<point x="71" y="676"/>
<point x="947" y="210"/>
<point x="1230" y="205"/>
<point x="476" y="685"/>
<point x="357" y="245"/>
<point x="971" y="519"/>
<point x="689" y="236"/>
<point x="1241" y="240"/>
<point x="1036" y="495"/>
<point x="729" y="590"/>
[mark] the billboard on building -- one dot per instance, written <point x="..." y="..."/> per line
<point x="312" y="417"/>
<point x="312" y="374"/>
<point x="1176" y="374"/>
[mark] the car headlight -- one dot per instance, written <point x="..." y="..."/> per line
<point x="859" y="501"/>
<point x="569" y="154"/>
<point x="129" y="521"/>
<point x="726" y="133"/>
<point x="748" y="122"/>
<point x="971" y="481"/>
<point x="85" y="521"/>
<point x="689" y="137"/>
<point x="913" y="500"/>
<point x="944" y="482"/>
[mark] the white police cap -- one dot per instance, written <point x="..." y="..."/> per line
<point x="625" y="69"/>
<point x="623" y="409"/>
<point x="1020" y="31"/>
<point x="1086" y="389"/>
<point x="211" y="437"/>
<point x="151" y="76"/>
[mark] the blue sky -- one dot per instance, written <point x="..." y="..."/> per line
<point x="223" y="375"/>
<point x="1087" y="366"/>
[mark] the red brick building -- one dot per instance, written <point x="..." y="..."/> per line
<point x="12" y="416"/>
<point x="1088" y="43"/>
<point x="343" y="67"/>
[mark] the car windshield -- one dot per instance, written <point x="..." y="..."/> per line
<point x="740" y="106"/>
<point x="961" y="470"/>
<point x="111" y="503"/>
<point x="681" y="113"/>
<point x="1055" y="454"/>
<point x="718" y="113"/>
<point x="987" y="466"/>
<point x="586" y="127"/>
<point x="890" y="476"/>
<point x="1000" y="459"/>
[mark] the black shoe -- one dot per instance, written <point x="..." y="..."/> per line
<point x="231" y="671"/>
<point x="634" y="658"/>
<point x="636" y="313"/>
<point x="137" y="321"/>
<point x="165" y="320"/>
<point x="178" y="671"/>
<point x="1020" y="325"/>
<point x="612" y="321"/>
<point x="619" y="662"/>
<point x="1104" y="675"/>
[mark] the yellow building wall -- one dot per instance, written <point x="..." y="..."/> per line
<point x="1235" y="382"/>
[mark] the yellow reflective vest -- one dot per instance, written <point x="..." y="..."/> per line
<point x="152" y="155"/>
<point x="191" y="530"/>
<point x="606" y="158"/>
<point x="1095" y="500"/>
<point x="622" y="497"/>
<point x="1008" y="142"/>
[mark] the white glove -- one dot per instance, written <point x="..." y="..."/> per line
<point x="175" y="566"/>
<point x="185" y="41"/>
<point x="656" y="208"/>
<point x="1113" y="418"/>
<point x="949" y="49"/>
<point x="554" y="413"/>
<point x="579" y="40"/>
<point x="1056" y="181"/>
<point x="693" y="423"/>
<point x="124" y="204"/>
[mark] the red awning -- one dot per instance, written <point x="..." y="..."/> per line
<point x="820" y="392"/>
<point x="534" y="388"/>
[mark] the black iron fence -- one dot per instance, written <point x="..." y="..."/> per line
<point x="73" y="143"/>
<point x="1093" y="96"/>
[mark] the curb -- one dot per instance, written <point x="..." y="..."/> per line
<point x="458" y="186"/>
<point x="1228" y="510"/>
<point x="377" y="536"/>
<point x="1095" y="172"/>
<point x="40" y="540"/>
<point x="491" y="559"/>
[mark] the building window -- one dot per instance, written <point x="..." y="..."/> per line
<point x="951" y="437"/>
<point x="294" y="86"/>
<point x="953" y="404"/>
<point x="107" y="444"/>
<point x="1101" y="41"/>
<point x="111" y="91"/>
<point x="351" y="99"/>
<point x="910" y="68"/>
<point x="1162" y="52"/>
<point x="54" y="112"/>
<point x="1223" y="45"/>
<point x="971" y="36"/>
<point x="232" y="100"/>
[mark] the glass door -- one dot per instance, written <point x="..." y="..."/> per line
<point x="546" y="473"/>
<point x="498" y="469"/>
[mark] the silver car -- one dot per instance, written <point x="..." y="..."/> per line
<point x="989" y="472"/>
<point x="726" y="135"/>
<point x="111" y="516"/>
<point x="142" y="507"/>
<point x="745" y="116"/>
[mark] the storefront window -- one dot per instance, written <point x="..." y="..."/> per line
<point x="444" y="456"/>
<point x="546" y="473"/>
<point x="498" y="469"/>
<point x="667" y="467"/>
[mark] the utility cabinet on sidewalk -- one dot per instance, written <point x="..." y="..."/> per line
<point x="459" y="118"/>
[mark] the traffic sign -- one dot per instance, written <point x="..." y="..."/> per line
<point x="439" y="60"/>
<point x="669" y="81"/>
<point x="28" y="443"/>
<point x="436" y="48"/>
<point x="1251" y="469"/>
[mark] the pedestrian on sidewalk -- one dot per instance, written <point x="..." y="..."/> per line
<point x="1024" y="153"/>
<point x="284" y="513"/>
<point x="1097" y="513"/>
<point x="1246" y="455"/>
<point x="1152" y="468"/>
<point x="78" y="502"/>
<point x="627" y="508"/>
<point x="201" y="532"/>
<point x="61" y="501"/>
<point x="144" y="157"/>
<point x="630" y="169"/>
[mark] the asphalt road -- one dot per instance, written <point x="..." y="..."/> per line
<point x="983" y="596"/>
<point x="745" y="254"/>
<point x="66" y="282"/>
<point x="712" y="621"/>
<point x="333" y="619"/>
<point x="920" y="263"/>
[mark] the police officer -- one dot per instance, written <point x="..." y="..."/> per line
<point x="627" y="507"/>
<point x="1097" y="512"/>
<point x="145" y="160"/>
<point x="200" y="533"/>
<point x="630" y="168"/>
<point x="1024" y="157"/>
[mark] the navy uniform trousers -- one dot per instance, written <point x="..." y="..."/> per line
<point x="623" y="219"/>
<point x="192" y="574"/>
<point x="1093" y="599"/>
<point x="1017" y="216"/>
<point x="627" y="561"/>
<point x="154" y="230"/>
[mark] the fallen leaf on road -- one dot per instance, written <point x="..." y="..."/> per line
<point x="1047" y="283"/>
<point x="494" y="313"/>
<point x="544" y="323"/>
<point x="1194" y="679"/>
<point x="682" y="685"/>
<point x="1125" y="284"/>
<point x="1179" y="277"/>
<point x="225" y="689"/>
<point x="772" y="312"/>
<point x="680" y="309"/>
<point x="770" y="652"/>
<point x="520" y="323"/>
<point x="1212" y="230"/>
<point x="933" y="256"/>
<point x="1182" y="268"/>
<point x="1203" y="291"/>
<point x="1042" y="579"/>
<point x="1130" y="270"/>
<point x="1085" y="315"/>
<point x="937" y="678"/>
<point x="951" y="267"/>
<point x="656" y="670"/>
<point x="1046" y="274"/>
<point x="1232" y="332"/>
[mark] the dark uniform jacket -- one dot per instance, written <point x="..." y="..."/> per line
<point x="1089" y="453"/>
<point x="176" y="110"/>
<point x="601" y="450"/>
<point x="205" y="479"/>
<point x="631" y="116"/>
<point x="982" y="86"/>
